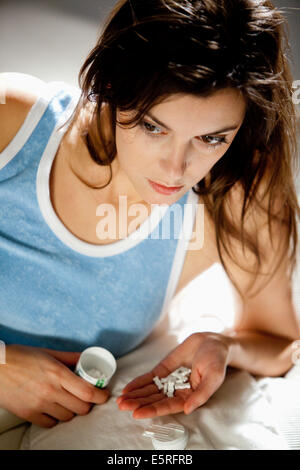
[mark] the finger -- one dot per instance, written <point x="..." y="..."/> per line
<point x="82" y="389"/>
<point x="139" y="392"/>
<point x="172" y="361"/>
<point x="58" y="412"/>
<point x="72" y="403"/>
<point x="160" y="370"/>
<point x="42" y="420"/>
<point x="181" y="355"/>
<point x="160" y="408"/>
<point x="133" y="403"/>
<point x="139" y="382"/>
<point x="134" y="397"/>
<point x="207" y="387"/>
<point x="68" y="358"/>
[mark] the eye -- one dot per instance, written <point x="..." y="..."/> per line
<point x="213" y="141"/>
<point x="150" y="129"/>
<point x="210" y="141"/>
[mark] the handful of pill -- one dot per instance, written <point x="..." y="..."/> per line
<point x="177" y="380"/>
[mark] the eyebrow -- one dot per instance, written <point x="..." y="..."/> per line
<point x="219" y="131"/>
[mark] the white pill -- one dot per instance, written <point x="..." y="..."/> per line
<point x="172" y="379"/>
<point x="182" y="386"/>
<point x="183" y="370"/>
<point x="176" y="380"/>
<point x="158" y="382"/>
<point x="170" y="392"/>
<point x="179" y="377"/>
<point x="97" y="374"/>
<point x="184" y="379"/>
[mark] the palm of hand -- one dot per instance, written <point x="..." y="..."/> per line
<point x="204" y="354"/>
<point x="147" y="401"/>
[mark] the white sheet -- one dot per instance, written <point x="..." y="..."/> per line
<point x="240" y="415"/>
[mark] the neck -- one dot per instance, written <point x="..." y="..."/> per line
<point x="93" y="176"/>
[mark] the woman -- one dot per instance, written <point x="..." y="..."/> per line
<point x="182" y="102"/>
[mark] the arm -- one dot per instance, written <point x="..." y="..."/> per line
<point x="18" y="93"/>
<point x="261" y="341"/>
<point x="260" y="353"/>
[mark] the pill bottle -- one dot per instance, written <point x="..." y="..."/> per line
<point x="96" y="359"/>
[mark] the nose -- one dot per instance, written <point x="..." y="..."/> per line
<point x="173" y="166"/>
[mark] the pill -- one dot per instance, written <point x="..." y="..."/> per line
<point x="172" y="379"/>
<point x="178" y="376"/>
<point x="97" y="374"/>
<point x="176" y="380"/>
<point x="164" y="380"/>
<point x="182" y="386"/>
<point x="182" y="370"/>
<point x="158" y="382"/>
<point x="171" y="386"/>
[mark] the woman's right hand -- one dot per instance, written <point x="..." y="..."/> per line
<point x="37" y="385"/>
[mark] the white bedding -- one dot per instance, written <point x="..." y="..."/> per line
<point x="245" y="413"/>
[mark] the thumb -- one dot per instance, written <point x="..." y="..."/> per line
<point x="198" y="397"/>
<point x="203" y="391"/>
<point x="197" y="382"/>
<point x="68" y="358"/>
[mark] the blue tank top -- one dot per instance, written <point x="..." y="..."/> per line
<point x="57" y="291"/>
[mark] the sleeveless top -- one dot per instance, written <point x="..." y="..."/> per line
<point x="57" y="291"/>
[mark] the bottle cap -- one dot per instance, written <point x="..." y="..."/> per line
<point x="96" y="365"/>
<point x="168" y="436"/>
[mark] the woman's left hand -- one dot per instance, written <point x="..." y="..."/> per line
<point x="206" y="354"/>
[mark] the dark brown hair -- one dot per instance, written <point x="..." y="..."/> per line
<point x="151" y="49"/>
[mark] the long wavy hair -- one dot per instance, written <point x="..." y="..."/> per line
<point x="151" y="49"/>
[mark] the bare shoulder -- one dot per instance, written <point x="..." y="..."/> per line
<point x="18" y="93"/>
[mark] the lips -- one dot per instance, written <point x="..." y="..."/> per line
<point x="168" y="187"/>
<point x="164" y="189"/>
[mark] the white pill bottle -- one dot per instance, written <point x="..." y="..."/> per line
<point x="96" y="365"/>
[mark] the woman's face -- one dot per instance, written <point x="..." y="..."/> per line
<point x="178" y="142"/>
